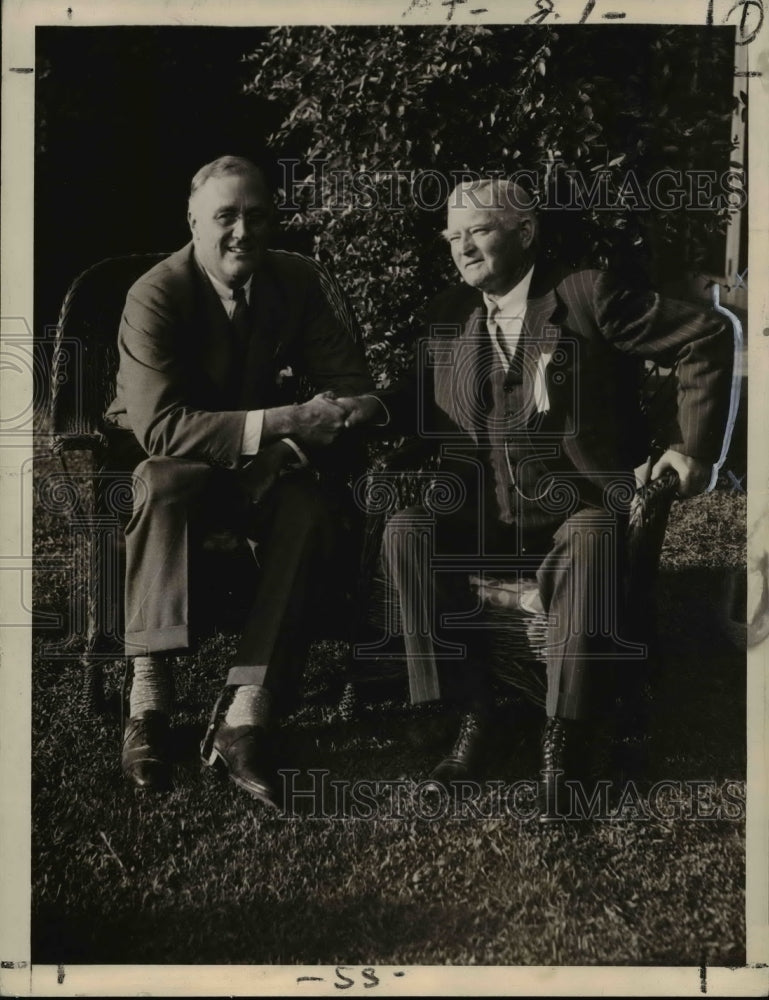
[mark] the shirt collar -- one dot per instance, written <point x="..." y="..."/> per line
<point x="228" y="294"/>
<point x="512" y="303"/>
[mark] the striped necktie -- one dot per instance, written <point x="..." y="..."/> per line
<point x="513" y="362"/>
<point x="495" y="331"/>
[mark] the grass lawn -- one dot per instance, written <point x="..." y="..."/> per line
<point x="206" y="875"/>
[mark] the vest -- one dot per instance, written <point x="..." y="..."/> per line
<point x="523" y="460"/>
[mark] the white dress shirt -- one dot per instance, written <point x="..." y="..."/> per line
<point x="505" y="322"/>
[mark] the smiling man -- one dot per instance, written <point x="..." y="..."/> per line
<point x="205" y="341"/>
<point x="528" y="378"/>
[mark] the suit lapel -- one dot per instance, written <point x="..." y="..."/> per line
<point x="543" y="308"/>
<point x="266" y="317"/>
<point x="217" y="356"/>
<point x="269" y="311"/>
<point x="458" y="385"/>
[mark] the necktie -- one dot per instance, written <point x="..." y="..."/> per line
<point x="494" y="330"/>
<point x="513" y="362"/>
<point x="239" y="321"/>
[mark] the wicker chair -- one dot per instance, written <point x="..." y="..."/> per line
<point x="95" y="492"/>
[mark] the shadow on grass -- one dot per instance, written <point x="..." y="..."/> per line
<point x="256" y="930"/>
<point x="698" y="712"/>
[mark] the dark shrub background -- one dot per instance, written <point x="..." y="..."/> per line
<point x="126" y="115"/>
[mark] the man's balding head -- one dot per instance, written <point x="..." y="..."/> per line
<point x="228" y="166"/>
<point x="491" y="230"/>
<point x="494" y="192"/>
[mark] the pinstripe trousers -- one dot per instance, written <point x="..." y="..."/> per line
<point x="580" y="579"/>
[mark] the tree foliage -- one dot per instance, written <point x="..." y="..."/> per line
<point x="399" y="108"/>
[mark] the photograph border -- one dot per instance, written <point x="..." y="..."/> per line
<point x="18" y="976"/>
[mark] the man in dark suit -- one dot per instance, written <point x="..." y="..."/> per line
<point x="528" y="378"/>
<point x="208" y="341"/>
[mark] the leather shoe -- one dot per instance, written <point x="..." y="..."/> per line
<point x="146" y="754"/>
<point x="244" y="753"/>
<point x="563" y="758"/>
<point x="462" y="760"/>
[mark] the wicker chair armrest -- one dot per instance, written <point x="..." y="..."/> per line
<point x="410" y="454"/>
<point x="649" y="511"/>
<point x="94" y="441"/>
<point x="652" y="501"/>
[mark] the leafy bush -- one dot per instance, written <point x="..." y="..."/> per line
<point x="402" y="107"/>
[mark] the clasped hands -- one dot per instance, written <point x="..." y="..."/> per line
<point x="312" y="425"/>
<point x="320" y="420"/>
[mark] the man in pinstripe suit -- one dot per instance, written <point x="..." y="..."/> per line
<point x="528" y="378"/>
<point x="205" y="342"/>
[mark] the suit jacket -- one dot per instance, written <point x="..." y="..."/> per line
<point x="183" y="389"/>
<point x="597" y="334"/>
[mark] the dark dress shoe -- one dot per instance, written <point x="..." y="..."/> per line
<point x="244" y="753"/>
<point x="146" y="754"/>
<point x="463" y="759"/>
<point x="564" y="758"/>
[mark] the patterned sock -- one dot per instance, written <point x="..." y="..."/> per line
<point x="151" y="690"/>
<point x="249" y="707"/>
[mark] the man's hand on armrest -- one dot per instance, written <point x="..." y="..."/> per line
<point x="693" y="475"/>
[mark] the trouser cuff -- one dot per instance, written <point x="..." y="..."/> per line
<point x="246" y="675"/>
<point x="151" y="641"/>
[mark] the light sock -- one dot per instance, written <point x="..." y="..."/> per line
<point x="151" y="689"/>
<point x="250" y="706"/>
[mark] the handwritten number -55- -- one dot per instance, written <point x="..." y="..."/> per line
<point x="369" y="978"/>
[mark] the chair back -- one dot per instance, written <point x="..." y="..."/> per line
<point x="85" y="354"/>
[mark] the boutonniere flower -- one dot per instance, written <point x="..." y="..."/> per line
<point x="283" y="375"/>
